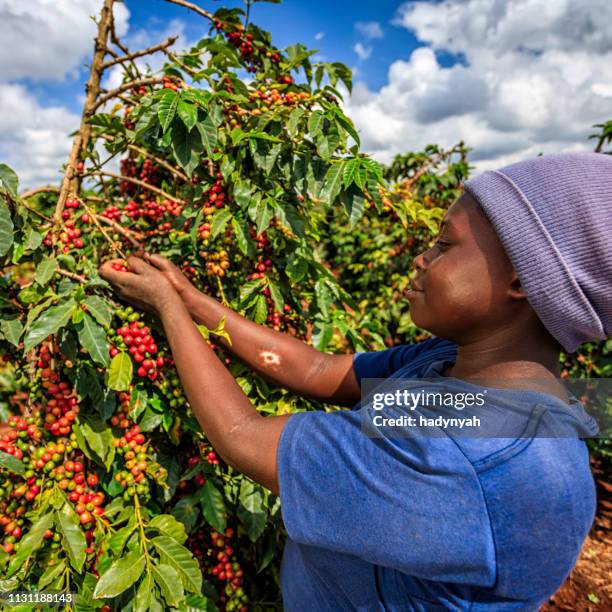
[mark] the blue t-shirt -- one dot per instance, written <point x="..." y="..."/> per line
<point x="430" y="523"/>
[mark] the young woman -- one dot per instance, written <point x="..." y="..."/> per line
<point x="522" y="269"/>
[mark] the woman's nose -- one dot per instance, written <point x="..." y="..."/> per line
<point x="419" y="262"/>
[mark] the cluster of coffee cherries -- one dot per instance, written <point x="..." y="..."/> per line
<point x="61" y="408"/>
<point x="132" y="445"/>
<point x="215" y="197"/>
<point x="120" y="266"/>
<point x="216" y="263"/>
<point x="172" y="389"/>
<point x="70" y="236"/>
<point x="215" y="553"/>
<point x="81" y="487"/>
<point x="11" y="522"/>
<point x="261" y="267"/>
<point x="149" y="209"/>
<point x="168" y="83"/>
<point x="274" y="317"/>
<point x="135" y="337"/>
<point x="207" y="452"/>
<point x="57" y="462"/>
<point x="263" y="243"/>
<point x="269" y="98"/>
<point x="146" y="171"/>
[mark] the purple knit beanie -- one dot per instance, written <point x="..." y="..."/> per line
<point x="553" y="215"/>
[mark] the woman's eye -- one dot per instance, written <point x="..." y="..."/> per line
<point x="442" y="244"/>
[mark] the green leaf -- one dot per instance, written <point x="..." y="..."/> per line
<point x="186" y="511"/>
<point x="33" y="239"/>
<point x="166" y="108"/>
<point x="315" y="123"/>
<point x="169" y="583"/>
<point x="138" y="402"/>
<point x="213" y="507"/>
<point x="166" y="524"/>
<point x="219" y="221"/>
<point x="294" y="120"/>
<point x="346" y="123"/>
<point x="99" y="437"/>
<point x="78" y="314"/>
<point x="73" y="542"/>
<point x="328" y="142"/>
<point x="186" y="146"/>
<point x="243" y="193"/>
<point x="261" y="214"/>
<point x="351" y="168"/>
<point x="208" y="132"/>
<point x="188" y="113"/>
<point x="242" y="237"/>
<point x="93" y="338"/>
<point x="296" y="268"/>
<point x="99" y="309"/>
<point x="45" y="270"/>
<point x="322" y="335"/>
<point x="260" y="310"/>
<point x="31" y="542"/>
<point x="249" y="288"/>
<point x="119" y="539"/>
<point x="251" y="510"/>
<point x="354" y="204"/>
<point x="9" y="180"/>
<point x="51" y="573"/>
<point x="12" y="330"/>
<point x="182" y="560"/>
<point x="12" y="463"/>
<point x="277" y="296"/>
<point x="121" y="575"/>
<point x="332" y="182"/>
<point x="324" y="297"/>
<point x="144" y="595"/>
<point x="120" y="372"/>
<point x="6" y="226"/>
<point x="49" y="323"/>
<point x="150" y="419"/>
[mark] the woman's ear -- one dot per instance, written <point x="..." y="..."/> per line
<point x="516" y="290"/>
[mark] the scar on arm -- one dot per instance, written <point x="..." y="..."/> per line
<point x="270" y="358"/>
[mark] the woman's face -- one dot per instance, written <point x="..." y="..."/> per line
<point x="465" y="286"/>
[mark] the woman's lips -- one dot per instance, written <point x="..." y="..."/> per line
<point x="414" y="290"/>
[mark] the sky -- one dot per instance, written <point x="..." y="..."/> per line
<point x="511" y="78"/>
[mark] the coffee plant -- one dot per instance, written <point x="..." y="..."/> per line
<point x="228" y="162"/>
<point x="236" y="162"/>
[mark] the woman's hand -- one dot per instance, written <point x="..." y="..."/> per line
<point x="179" y="281"/>
<point x="142" y="285"/>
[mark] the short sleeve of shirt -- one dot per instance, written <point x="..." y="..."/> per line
<point x="413" y="504"/>
<point x="381" y="364"/>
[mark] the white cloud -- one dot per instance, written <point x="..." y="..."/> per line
<point x="535" y="75"/>
<point x="33" y="140"/>
<point x="369" y="29"/>
<point x="319" y="35"/>
<point x="47" y="39"/>
<point x="362" y="51"/>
